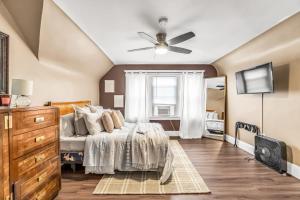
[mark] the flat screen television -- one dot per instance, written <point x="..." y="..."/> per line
<point x="255" y="80"/>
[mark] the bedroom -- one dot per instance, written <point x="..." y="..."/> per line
<point x="74" y="54"/>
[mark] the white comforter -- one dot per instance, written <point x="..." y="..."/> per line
<point x="128" y="150"/>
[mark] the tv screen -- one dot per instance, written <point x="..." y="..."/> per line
<point x="255" y="80"/>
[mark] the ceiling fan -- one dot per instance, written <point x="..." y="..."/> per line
<point x="161" y="46"/>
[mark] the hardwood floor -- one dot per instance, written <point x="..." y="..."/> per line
<point x="225" y="169"/>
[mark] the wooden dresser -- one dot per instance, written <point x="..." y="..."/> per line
<point x="34" y="153"/>
<point x="4" y="155"/>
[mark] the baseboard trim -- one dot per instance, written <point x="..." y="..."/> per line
<point x="242" y="145"/>
<point x="172" y="133"/>
<point x="292" y="169"/>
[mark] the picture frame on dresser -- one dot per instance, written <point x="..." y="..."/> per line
<point x="4" y="61"/>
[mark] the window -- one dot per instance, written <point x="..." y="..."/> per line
<point x="164" y="96"/>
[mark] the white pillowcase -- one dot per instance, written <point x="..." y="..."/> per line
<point x="93" y="122"/>
<point x="211" y="115"/>
<point x="95" y="109"/>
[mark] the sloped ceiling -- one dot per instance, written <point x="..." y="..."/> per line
<point x="62" y="42"/>
<point x="28" y="18"/>
<point x="220" y="25"/>
<point x="55" y="40"/>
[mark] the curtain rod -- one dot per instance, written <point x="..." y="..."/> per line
<point x="164" y="71"/>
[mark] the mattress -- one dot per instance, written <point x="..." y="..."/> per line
<point x="74" y="143"/>
<point x="77" y="143"/>
<point x="215" y="125"/>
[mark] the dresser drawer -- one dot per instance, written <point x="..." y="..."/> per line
<point x="34" y="140"/>
<point x="36" y="178"/>
<point x="26" y="163"/>
<point x="48" y="191"/>
<point x="33" y="120"/>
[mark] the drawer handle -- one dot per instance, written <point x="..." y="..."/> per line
<point x="40" y="195"/>
<point x="39" y="119"/>
<point x="40" y="138"/>
<point x="41" y="177"/>
<point x="39" y="158"/>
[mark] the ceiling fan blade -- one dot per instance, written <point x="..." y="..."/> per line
<point x="147" y="37"/>
<point x="140" y="49"/>
<point x="181" y="38"/>
<point x="179" y="50"/>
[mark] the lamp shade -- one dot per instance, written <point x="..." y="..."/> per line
<point x="22" y="87"/>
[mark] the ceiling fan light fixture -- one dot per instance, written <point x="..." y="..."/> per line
<point x="161" y="49"/>
<point x="161" y="45"/>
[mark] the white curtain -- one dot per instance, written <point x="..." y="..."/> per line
<point x="136" y="94"/>
<point x="193" y="105"/>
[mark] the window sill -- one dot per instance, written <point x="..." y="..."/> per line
<point x="164" y="118"/>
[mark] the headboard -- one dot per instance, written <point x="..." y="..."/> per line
<point x="66" y="107"/>
<point x="210" y="110"/>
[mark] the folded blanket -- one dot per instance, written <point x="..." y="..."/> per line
<point x="99" y="153"/>
<point x="148" y="150"/>
<point x="129" y="151"/>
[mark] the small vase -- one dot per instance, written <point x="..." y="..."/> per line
<point x="5" y="100"/>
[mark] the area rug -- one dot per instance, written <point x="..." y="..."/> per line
<point x="185" y="179"/>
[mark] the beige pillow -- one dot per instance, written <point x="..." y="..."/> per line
<point x="121" y="117"/>
<point x="107" y="122"/>
<point x="116" y="120"/>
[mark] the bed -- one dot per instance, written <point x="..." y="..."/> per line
<point x="213" y="123"/>
<point x="71" y="148"/>
<point x="125" y="149"/>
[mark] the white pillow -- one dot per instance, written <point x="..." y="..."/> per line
<point x="93" y="123"/>
<point x="215" y="115"/>
<point x="211" y="115"/>
<point x="95" y="109"/>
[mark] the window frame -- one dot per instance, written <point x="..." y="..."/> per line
<point x="151" y="114"/>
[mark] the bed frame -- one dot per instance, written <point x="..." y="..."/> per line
<point x="65" y="108"/>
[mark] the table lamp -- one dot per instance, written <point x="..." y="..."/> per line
<point x="23" y="89"/>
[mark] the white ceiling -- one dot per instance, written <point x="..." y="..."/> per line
<point x="220" y="25"/>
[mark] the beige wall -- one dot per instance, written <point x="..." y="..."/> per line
<point x="70" y="64"/>
<point x="281" y="45"/>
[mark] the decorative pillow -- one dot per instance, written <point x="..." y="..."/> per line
<point x="96" y="109"/>
<point x="116" y="120"/>
<point x="121" y="117"/>
<point x="107" y="110"/>
<point x="211" y="115"/>
<point x="79" y="123"/>
<point x="215" y="115"/>
<point x="107" y="122"/>
<point x="67" y="128"/>
<point x="93" y="123"/>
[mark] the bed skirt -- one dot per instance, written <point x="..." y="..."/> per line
<point x="71" y="157"/>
